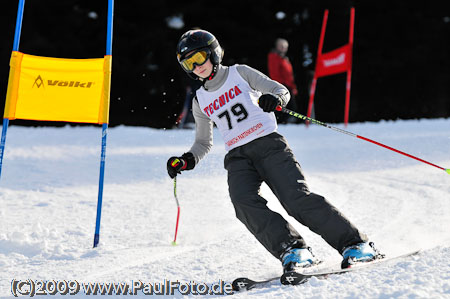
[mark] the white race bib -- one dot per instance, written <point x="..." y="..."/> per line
<point x="235" y="111"/>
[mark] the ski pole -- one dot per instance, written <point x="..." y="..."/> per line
<point x="314" y="121"/>
<point x="174" y="242"/>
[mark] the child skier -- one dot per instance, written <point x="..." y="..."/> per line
<point x="240" y="101"/>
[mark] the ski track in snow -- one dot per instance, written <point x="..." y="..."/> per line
<point x="48" y="199"/>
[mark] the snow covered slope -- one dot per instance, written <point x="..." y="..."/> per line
<point x="48" y="198"/>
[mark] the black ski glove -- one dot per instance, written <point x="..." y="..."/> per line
<point x="268" y="102"/>
<point x="176" y="165"/>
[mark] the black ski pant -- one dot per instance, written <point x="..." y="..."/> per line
<point x="269" y="159"/>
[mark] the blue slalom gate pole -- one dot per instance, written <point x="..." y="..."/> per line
<point x="100" y="185"/>
<point x="19" y="20"/>
<point x="15" y="48"/>
<point x="109" y="34"/>
<point x="3" y="141"/>
<point x="104" y="132"/>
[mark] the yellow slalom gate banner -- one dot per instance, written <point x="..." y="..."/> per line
<point x="58" y="89"/>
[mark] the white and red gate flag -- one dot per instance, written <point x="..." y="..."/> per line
<point x="334" y="62"/>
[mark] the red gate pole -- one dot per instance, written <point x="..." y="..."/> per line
<point x="319" y="54"/>
<point x="349" y="71"/>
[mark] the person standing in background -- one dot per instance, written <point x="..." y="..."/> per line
<point x="280" y="69"/>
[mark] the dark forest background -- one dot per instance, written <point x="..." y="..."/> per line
<point x="401" y="65"/>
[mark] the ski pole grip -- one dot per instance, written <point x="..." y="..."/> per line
<point x="175" y="162"/>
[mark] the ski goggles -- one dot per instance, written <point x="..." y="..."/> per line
<point x="197" y="58"/>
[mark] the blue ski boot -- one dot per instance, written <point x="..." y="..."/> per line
<point x="359" y="253"/>
<point x="297" y="258"/>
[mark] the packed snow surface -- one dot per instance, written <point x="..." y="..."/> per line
<point x="48" y="204"/>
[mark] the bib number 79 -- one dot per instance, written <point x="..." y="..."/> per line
<point x="238" y="110"/>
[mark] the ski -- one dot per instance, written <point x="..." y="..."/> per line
<point x="244" y="283"/>
<point x="295" y="278"/>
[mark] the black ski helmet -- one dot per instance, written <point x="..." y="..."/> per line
<point x="199" y="39"/>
